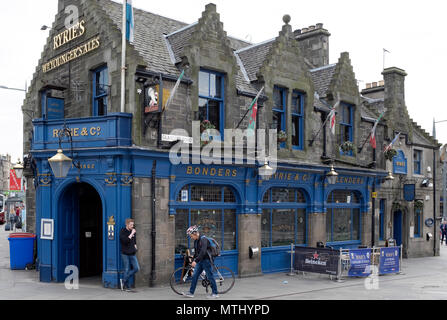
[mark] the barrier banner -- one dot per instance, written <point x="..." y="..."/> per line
<point x="389" y="260"/>
<point x="317" y="260"/>
<point x="360" y="263"/>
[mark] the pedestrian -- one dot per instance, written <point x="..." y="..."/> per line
<point x="444" y="231"/>
<point x="129" y="249"/>
<point x="202" y="261"/>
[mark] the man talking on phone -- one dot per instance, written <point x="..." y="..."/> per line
<point x="128" y="242"/>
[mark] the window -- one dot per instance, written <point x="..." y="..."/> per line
<point x="100" y="91"/>
<point x="417" y="221"/>
<point x="211" y="99"/>
<point x="279" y="109"/>
<point x="417" y="161"/>
<point x="343" y="217"/>
<point x="282" y="226"/>
<point x="382" y="219"/>
<point x="213" y="209"/>
<point x="297" y="120"/>
<point x="346" y="125"/>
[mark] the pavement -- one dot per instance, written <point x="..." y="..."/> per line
<point x="421" y="279"/>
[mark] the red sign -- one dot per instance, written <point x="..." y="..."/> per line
<point x="14" y="183"/>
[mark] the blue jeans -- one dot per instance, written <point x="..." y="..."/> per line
<point x="203" y="265"/>
<point x="129" y="261"/>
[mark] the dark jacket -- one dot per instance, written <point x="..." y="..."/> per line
<point x="127" y="245"/>
<point x="201" y="249"/>
<point x="444" y="228"/>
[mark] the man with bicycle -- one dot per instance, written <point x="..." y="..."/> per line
<point x="201" y="262"/>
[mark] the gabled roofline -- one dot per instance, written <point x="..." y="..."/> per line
<point x="323" y="67"/>
<point x="182" y="29"/>
<point x="242" y="67"/>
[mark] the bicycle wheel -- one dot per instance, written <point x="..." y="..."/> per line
<point x="181" y="280"/>
<point x="224" y="279"/>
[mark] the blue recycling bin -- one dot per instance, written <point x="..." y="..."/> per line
<point x="21" y="250"/>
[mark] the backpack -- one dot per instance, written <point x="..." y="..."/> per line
<point x="214" y="248"/>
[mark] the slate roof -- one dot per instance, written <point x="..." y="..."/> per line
<point x="253" y="57"/>
<point x="322" y="78"/>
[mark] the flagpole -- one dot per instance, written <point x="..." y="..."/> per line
<point x="251" y="106"/>
<point x="123" y="59"/>
<point x="361" y="148"/>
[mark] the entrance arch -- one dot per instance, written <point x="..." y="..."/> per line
<point x="80" y="230"/>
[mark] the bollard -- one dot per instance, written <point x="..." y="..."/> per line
<point x="291" y="273"/>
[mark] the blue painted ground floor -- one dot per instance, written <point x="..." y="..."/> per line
<point x="231" y="203"/>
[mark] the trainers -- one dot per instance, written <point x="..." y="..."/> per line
<point x="213" y="296"/>
<point x="122" y="284"/>
<point x="128" y="290"/>
<point x="188" y="295"/>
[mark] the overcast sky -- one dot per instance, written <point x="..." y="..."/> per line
<point x="413" y="31"/>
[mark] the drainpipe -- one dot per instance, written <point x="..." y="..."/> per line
<point x="373" y="218"/>
<point x="435" y="231"/>
<point x="154" y="233"/>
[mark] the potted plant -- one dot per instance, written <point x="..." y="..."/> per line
<point x="346" y="147"/>
<point x="205" y="125"/>
<point x="418" y="205"/>
<point x="282" y="136"/>
<point x="390" y="154"/>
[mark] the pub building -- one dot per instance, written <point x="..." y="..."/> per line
<point x="120" y="166"/>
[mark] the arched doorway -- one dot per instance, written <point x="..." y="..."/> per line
<point x="80" y="231"/>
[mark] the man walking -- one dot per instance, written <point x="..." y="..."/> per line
<point x="444" y="231"/>
<point x="128" y="242"/>
<point x="200" y="262"/>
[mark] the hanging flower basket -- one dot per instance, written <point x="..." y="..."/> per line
<point x="205" y="125"/>
<point x="282" y="136"/>
<point x="390" y="154"/>
<point x="397" y="207"/>
<point x="418" y="205"/>
<point x="347" y="146"/>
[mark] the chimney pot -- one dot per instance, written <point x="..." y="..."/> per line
<point x="319" y="25"/>
<point x="368" y="86"/>
<point x="304" y="30"/>
<point x="374" y="84"/>
<point x="311" y="27"/>
<point x="381" y="83"/>
<point x="297" y="32"/>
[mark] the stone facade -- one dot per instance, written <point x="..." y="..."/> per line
<point x="293" y="60"/>
<point x="5" y="166"/>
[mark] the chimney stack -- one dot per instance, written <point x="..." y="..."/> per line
<point x="314" y="44"/>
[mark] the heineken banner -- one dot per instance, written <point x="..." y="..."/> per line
<point x="360" y="263"/>
<point x="389" y="260"/>
<point x="317" y="260"/>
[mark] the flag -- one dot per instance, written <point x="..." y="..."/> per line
<point x="130" y="25"/>
<point x="333" y="116"/>
<point x="372" y="139"/>
<point x="388" y="147"/>
<point x="171" y="97"/>
<point x="253" y="112"/>
<point x="385" y="50"/>
<point x="14" y="182"/>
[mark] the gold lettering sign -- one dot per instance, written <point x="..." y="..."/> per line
<point x="349" y="180"/>
<point x="72" y="55"/>
<point x="69" y="35"/>
<point x="213" y="172"/>
<point x="83" y="132"/>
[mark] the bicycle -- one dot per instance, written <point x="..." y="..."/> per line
<point x="181" y="278"/>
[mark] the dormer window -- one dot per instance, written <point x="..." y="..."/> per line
<point x="211" y="98"/>
<point x="346" y="125"/>
<point x="297" y="120"/>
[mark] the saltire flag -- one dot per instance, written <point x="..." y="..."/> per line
<point x="253" y="112"/>
<point x="130" y="23"/>
<point x="372" y="139"/>
<point x="333" y="116"/>
<point x="388" y="147"/>
<point x="171" y="97"/>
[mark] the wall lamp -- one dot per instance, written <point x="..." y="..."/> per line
<point x="18" y="169"/>
<point x="332" y="175"/>
<point x="265" y="171"/>
<point x="60" y="164"/>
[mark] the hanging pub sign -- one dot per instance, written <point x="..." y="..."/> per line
<point x="317" y="260"/>
<point x="400" y="163"/>
<point x="152" y="99"/>
<point x="409" y="192"/>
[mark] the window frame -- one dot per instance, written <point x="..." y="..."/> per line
<point x="96" y="97"/>
<point x="301" y="98"/>
<point x="331" y="206"/>
<point x="346" y="106"/>
<point x="417" y="161"/>
<point x="283" y="112"/>
<point x="221" y="100"/>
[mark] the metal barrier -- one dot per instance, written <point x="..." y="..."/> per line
<point x="344" y="262"/>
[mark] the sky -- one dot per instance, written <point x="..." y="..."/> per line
<point x="413" y="32"/>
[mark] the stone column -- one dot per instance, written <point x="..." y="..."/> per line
<point x="249" y="235"/>
<point x="316" y="228"/>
